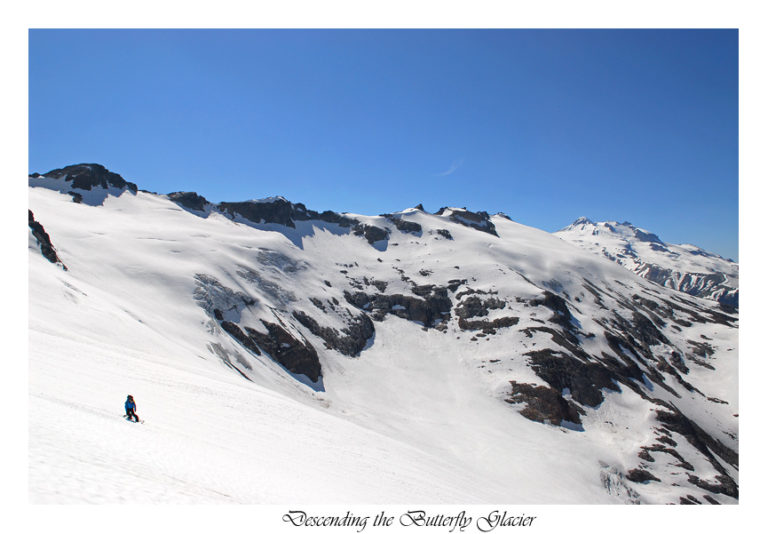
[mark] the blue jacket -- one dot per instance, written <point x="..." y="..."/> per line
<point x="130" y="405"/>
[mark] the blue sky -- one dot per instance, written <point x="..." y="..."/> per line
<point x="544" y="125"/>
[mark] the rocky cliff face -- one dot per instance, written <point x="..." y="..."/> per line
<point x="44" y="241"/>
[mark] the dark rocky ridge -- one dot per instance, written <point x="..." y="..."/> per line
<point x="285" y="213"/>
<point x="704" y="285"/>
<point x="675" y="421"/>
<point x="641" y="476"/>
<point x="403" y="225"/>
<point x="488" y="326"/>
<point x="371" y="233"/>
<point x="350" y="341"/>
<point x="562" y="315"/>
<point x="473" y="306"/>
<point x="480" y="220"/>
<point x="645" y="236"/>
<point x="279" y="211"/>
<point x="296" y="355"/>
<point x="44" y="241"/>
<point x="585" y="380"/>
<point x="431" y="307"/>
<point x="189" y="200"/>
<point x="725" y="485"/>
<point x="89" y="175"/>
<point x="633" y="364"/>
<point x="543" y="404"/>
<point x="275" y="210"/>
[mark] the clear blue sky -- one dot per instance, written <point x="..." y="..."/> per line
<point x="544" y="125"/>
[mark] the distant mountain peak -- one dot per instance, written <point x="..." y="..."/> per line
<point x="87" y="176"/>
<point x="88" y="183"/>
<point x="582" y="220"/>
<point x="686" y="268"/>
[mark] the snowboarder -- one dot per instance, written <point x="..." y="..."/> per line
<point x="130" y="409"/>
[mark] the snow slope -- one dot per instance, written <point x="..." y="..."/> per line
<point x="201" y="314"/>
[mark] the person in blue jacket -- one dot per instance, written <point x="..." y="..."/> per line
<point x="130" y="409"/>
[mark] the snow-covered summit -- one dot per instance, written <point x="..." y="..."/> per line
<point x="685" y="267"/>
<point x="90" y="183"/>
<point x="269" y="200"/>
<point x="624" y="229"/>
<point x="580" y="221"/>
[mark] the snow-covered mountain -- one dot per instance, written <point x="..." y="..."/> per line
<point x="280" y="354"/>
<point x="686" y="268"/>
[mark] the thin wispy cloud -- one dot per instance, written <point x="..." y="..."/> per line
<point x="454" y="167"/>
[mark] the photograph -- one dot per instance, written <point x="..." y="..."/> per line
<point x="385" y="278"/>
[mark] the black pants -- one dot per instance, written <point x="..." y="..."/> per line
<point x="129" y="413"/>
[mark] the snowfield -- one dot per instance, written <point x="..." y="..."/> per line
<point x="419" y="415"/>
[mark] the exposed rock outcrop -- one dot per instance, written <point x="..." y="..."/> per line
<point x="280" y="211"/>
<point x="350" y="341"/>
<point x="584" y="380"/>
<point x="543" y="404"/>
<point x="225" y="306"/>
<point x="474" y="306"/>
<point x="478" y="220"/>
<point x="403" y="225"/>
<point x="371" y="233"/>
<point x="641" y="476"/>
<point x="430" y="307"/>
<point x="562" y="315"/>
<point x="44" y="241"/>
<point x="89" y="175"/>
<point x="488" y="326"/>
<point x="189" y="200"/>
<point x="296" y="355"/>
